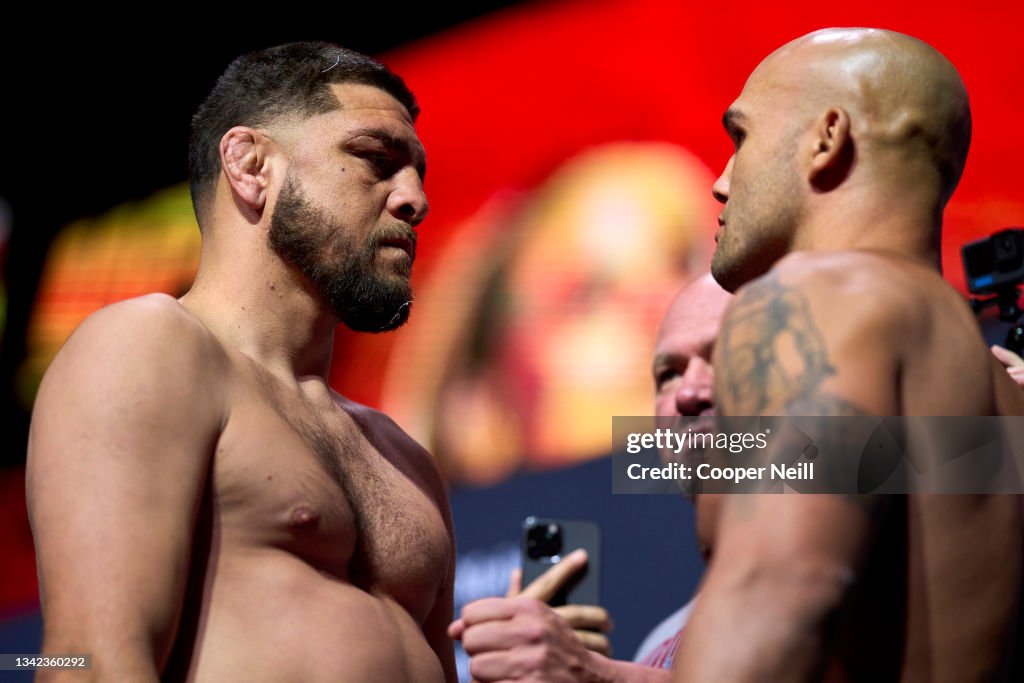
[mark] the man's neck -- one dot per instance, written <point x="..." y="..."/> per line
<point x="874" y="224"/>
<point x="252" y="301"/>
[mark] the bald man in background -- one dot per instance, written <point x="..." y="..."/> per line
<point x="521" y="637"/>
<point x="848" y="144"/>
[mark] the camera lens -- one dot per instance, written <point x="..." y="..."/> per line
<point x="544" y="540"/>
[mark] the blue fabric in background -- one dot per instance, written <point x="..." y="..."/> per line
<point x="650" y="564"/>
<point x="20" y="635"/>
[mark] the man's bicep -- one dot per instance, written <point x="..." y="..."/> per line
<point x="119" y="451"/>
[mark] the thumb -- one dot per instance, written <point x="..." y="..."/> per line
<point x="515" y="583"/>
<point x="1007" y="357"/>
<point x="545" y="586"/>
<point x="456" y="629"/>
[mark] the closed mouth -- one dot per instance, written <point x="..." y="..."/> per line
<point x="403" y="243"/>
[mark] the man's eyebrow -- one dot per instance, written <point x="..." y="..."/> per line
<point x="666" y="358"/>
<point x="388" y="139"/>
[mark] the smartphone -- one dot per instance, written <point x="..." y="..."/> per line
<point x="546" y="541"/>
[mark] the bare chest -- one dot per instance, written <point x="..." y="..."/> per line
<point x="319" y="486"/>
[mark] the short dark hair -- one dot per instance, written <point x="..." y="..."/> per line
<point x="262" y="86"/>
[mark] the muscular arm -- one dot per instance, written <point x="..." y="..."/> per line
<point x="784" y="564"/>
<point x="122" y="433"/>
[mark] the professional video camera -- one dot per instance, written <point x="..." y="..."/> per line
<point x="994" y="267"/>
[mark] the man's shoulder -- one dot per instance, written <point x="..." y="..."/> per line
<point x="857" y="272"/>
<point x="149" y="338"/>
<point x="864" y="288"/>
<point x="846" y="324"/>
<point x="142" y="325"/>
<point x="139" y="376"/>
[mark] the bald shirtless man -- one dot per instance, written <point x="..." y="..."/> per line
<point x="848" y="144"/>
<point x="205" y="507"/>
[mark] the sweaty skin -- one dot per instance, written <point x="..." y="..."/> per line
<point x="205" y="507"/>
<point x="840" y="310"/>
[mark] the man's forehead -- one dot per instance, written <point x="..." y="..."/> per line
<point x="697" y="307"/>
<point x="369" y="113"/>
<point x="359" y="99"/>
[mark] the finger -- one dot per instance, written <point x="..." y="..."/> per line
<point x="595" y="642"/>
<point x="589" y="617"/>
<point x="456" y="629"/>
<point x="498" y="666"/>
<point x="498" y="609"/>
<point x="1007" y="357"/>
<point x="493" y="636"/>
<point x="548" y="583"/>
<point x="1017" y="375"/>
<point x="515" y="583"/>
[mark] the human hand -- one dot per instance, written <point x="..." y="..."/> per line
<point x="523" y="638"/>
<point x="590" y="622"/>
<point x="1013" y="363"/>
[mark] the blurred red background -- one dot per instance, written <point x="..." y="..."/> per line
<point x="508" y="98"/>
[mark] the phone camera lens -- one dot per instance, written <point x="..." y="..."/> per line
<point x="544" y="541"/>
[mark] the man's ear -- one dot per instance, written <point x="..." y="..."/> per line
<point x="832" y="155"/>
<point x="243" y="156"/>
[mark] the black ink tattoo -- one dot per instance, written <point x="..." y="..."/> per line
<point x="774" y="358"/>
<point x="774" y="354"/>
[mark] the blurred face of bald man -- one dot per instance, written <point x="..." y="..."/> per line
<point x="683" y="376"/>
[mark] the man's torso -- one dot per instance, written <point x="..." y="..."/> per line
<point x="320" y="549"/>
<point x="939" y="595"/>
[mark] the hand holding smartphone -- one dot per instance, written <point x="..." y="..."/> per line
<point x="546" y="541"/>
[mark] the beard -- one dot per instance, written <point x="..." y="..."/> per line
<point x="345" y="276"/>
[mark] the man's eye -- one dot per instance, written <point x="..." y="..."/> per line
<point x="384" y="165"/>
<point x="664" y="376"/>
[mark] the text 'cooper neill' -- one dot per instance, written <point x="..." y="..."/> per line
<point x="706" y="472"/>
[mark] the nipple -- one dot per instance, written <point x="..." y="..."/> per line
<point x="304" y="517"/>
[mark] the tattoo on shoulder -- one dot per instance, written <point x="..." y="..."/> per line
<point x="774" y="351"/>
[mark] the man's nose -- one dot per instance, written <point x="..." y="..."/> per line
<point x="694" y="393"/>
<point x="408" y="202"/>
<point x="720" y="189"/>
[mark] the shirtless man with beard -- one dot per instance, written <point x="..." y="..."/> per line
<point x="848" y="144"/>
<point x="205" y="507"/>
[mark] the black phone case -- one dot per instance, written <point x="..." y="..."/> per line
<point x="585" y="587"/>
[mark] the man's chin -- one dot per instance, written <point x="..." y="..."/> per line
<point x="381" y="319"/>
<point x="725" y="272"/>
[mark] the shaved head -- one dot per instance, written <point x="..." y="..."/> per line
<point x="864" y="125"/>
<point x="701" y="303"/>
<point x="901" y="93"/>
<point x="682" y="354"/>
